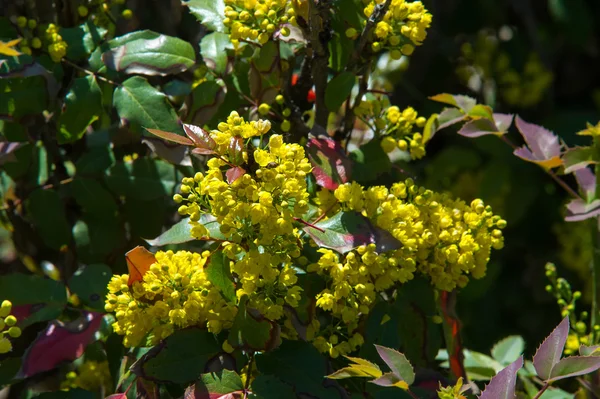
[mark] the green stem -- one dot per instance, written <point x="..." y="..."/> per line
<point x="595" y="319"/>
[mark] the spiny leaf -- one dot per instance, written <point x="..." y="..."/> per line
<point x="214" y="50"/>
<point x="223" y="385"/>
<point x="449" y="117"/>
<point x="201" y="138"/>
<point x="542" y="146"/>
<point x="574" y="366"/>
<point x="139" y="260"/>
<point x="578" y="158"/>
<point x="502" y="385"/>
<point x="398" y="363"/>
<point x="174" y="137"/>
<point x="585" y="350"/>
<point x="6" y="48"/>
<point x="465" y="103"/>
<point x="209" y="12"/>
<point x="550" y="351"/>
<point x="359" y="368"/>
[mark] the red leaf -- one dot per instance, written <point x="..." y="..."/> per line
<point x="174" y="137"/>
<point x="236" y="150"/>
<point x="202" y="151"/>
<point x="60" y="342"/>
<point x="139" y="260"/>
<point x="234" y="173"/>
<point x="117" y="396"/>
<point x="200" y="137"/>
<point x="331" y="166"/>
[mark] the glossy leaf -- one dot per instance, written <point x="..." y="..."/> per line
<point x="82" y="39"/>
<point x="47" y="212"/>
<point x="173" y="137"/>
<point x="219" y="274"/>
<point x="223" y="385"/>
<point x="252" y="331"/>
<point x="338" y="89"/>
<point x="213" y="48"/>
<point x="574" y="366"/>
<point x="542" y="146"/>
<point x="578" y="158"/>
<point x="163" y="55"/>
<point x="205" y="101"/>
<point x="483" y="126"/>
<point x="95" y="60"/>
<point x="200" y="138"/>
<point x="550" y="351"/>
<point x="464" y="103"/>
<point x="89" y="283"/>
<point x="331" y="166"/>
<point x="234" y="173"/>
<point x="502" y="386"/>
<point x="358" y="368"/>
<point x="139" y="260"/>
<point x="347" y="230"/>
<point x="179" y="233"/>
<point x="60" y="342"/>
<point x="180" y="358"/>
<point x="503" y="121"/>
<point x="82" y="107"/>
<point x="509" y="349"/>
<point x="138" y="103"/>
<point x="370" y="162"/>
<point x="236" y="150"/>
<point x="398" y="363"/>
<point x="6" y="151"/>
<point x="208" y="12"/>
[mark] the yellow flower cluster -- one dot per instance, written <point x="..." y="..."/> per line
<point x="483" y="62"/>
<point x="574" y="342"/>
<point x="446" y="238"/>
<point x="453" y="391"/>
<point x="258" y="19"/>
<point x="91" y="376"/>
<point x="403" y="26"/>
<point x="57" y="47"/>
<point x="394" y="126"/>
<point x="174" y="293"/>
<point x="10" y="321"/>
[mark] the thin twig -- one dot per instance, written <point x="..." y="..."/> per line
<point x="411" y="393"/>
<point x="539" y="394"/>
<point x="87" y="71"/>
<point x="304" y="222"/>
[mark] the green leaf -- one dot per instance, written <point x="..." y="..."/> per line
<point x="90" y="284"/>
<point x="23" y="96"/>
<point x="95" y="161"/>
<point x="22" y="289"/>
<point x="9" y="368"/>
<point x="82" y="40"/>
<point x="82" y="107"/>
<point x="271" y="387"/>
<point x="206" y="99"/>
<point x="97" y="236"/>
<point x="180" y="358"/>
<point x="464" y="103"/>
<point x="216" y="385"/>
<point x="146" y="217"/>
<point x="509" y="349"/>
<point x="293" y="356"/>
<point x="574" y="366"/>
<point x="370" y="162"/>
<point x="179" y="233"/>
<point x="219" y="274"/>
<point x="251" y="331"/>
<point x="143" y="179"/>
<point x="210" y="13"/>
<point x="47" y="213"/>
<point x="579" y="157"/>
<point x="140" y="104"/>
<point x="398" y="363"/>
<point x="338" y="89"/>
<point x="213" y="48"/>
<point x="93" y="197"/>
<point x="163" y="55"/>
<point x="358" y="368"/>
<point x="266" y="57"/>
<point x="347" y="230"/>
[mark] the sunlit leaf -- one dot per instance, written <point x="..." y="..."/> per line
<point x="219" y="274"/>
<point x="252" y="331"/>
<point x="139" y="260"/>
<point x="464" y="103"/>
<point x="223" y="385"/>
<point x="209" y="12"/>
<point x="358" y="368"/>
<point x="331" y="166"/>
<point x="550" y="351"/>
<point x="502" y="385"/>
<point x="542" y="146"/>
<point x="174" y="137"/>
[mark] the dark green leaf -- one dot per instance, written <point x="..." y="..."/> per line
<point x="370" y="162"/>
<point x="140" y="104"/>
<point x="214" y="50"/>
<point x="96" y="63"/>
<point x="143" y="179"/>
<point x="219" y="274"/>
<point x="146" y="217"/>
<point x="271" y="387"/>
<point x="180" y="358"/>
<point x="338" y="89"/>
<point x="95" y="161"/>
<point x="209" y="12"/>
<point x="93" y="197"/>
<point x="47" y="213"/>
<point x="82" y="40"/>
<point x="251" y="331"/>
<point x="266" y="57"/>
<point x="163" y="55"/>
<point x="90" y="284"/>
<point x="206" y="99"/>
<point x="9" y="368"/>
<point x="82" y="107"/>
<point x="23" y="96"/>
<point x="216" y="385"/>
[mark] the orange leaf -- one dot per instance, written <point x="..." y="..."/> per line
<point x="139" y="260"/>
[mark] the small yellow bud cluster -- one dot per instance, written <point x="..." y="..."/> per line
<point x="91" y="376"/>
<point x="175" y="293"/>
<point x="57" y="47"/>
<point x="257" y="20"/>
<point x="453" y="391"/>
<point x="30" y="40"/>
<point x="403" y="27"/>
<point x="394" y="126"/>
<point x="8" y="327"/>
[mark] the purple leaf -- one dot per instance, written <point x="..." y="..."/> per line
<point x="542" y="146"/>
<point x="586" y="179"/>
<point x="60" y="342"/>
<point x="578" y="210"/>
<point x="390" y="380"/>
<point x="578" y="158"/>
<point x="398" y="363"/>
<point x="550" y="351"/>
<point x="478" y="128"/>
<point x="234" y="173"/>
<point x="585" y="350"/>
<point x="331" y="166"/>
<point x="503" y="121"/>
<point x="465" y="103"/>
<point x="502" y="385"/>
<point x="347" y="230"/>
<point x="449" y="117"/>
<point x="574" y="366"/>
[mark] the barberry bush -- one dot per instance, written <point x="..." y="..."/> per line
<point x="263" y="198"/>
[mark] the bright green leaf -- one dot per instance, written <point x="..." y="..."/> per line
<point x="358" y="368"/>
<point x="209" y="12"/>
<point x="219" y="274"/>
<point x="213" y="48"/>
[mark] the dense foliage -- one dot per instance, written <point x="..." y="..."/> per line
<point x="264" y="198"/>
